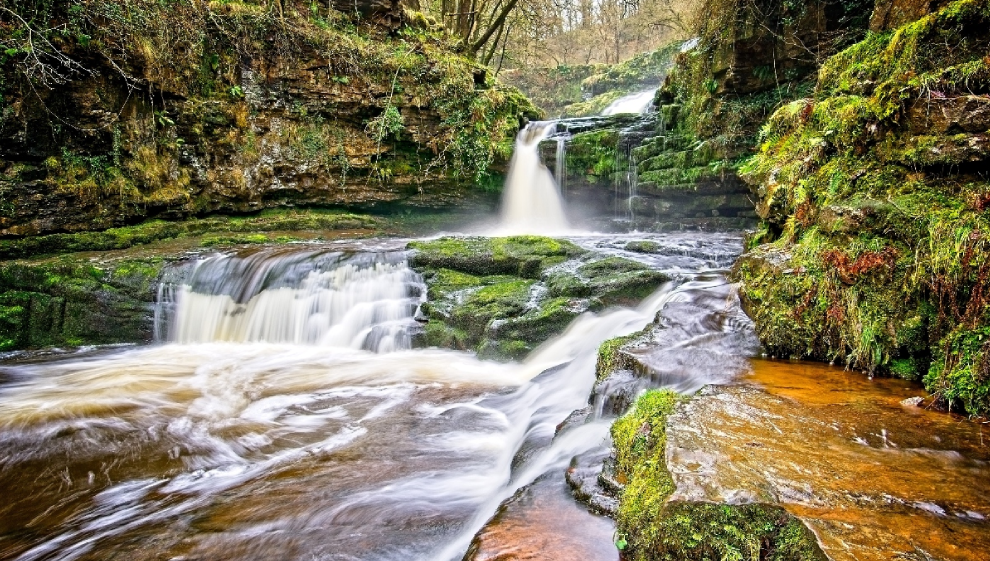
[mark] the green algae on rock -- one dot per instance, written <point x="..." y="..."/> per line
<point x="504" y="296"/>
<point x="874" y="250"/>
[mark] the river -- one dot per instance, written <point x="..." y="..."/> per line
<point x="284" y="415"/>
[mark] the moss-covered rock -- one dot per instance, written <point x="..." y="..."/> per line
<point x="219" y="230"/>
<point x="651" y="527"/>
<point x="70" y="302"/>
<point x="875" y="250"/>
<point x="523" y="256"/>
<point x="504" y="296"/>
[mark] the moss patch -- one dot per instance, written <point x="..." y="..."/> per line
<point x="67" y="302"/>
<point x="653" y="528"/>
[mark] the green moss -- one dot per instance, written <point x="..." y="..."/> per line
<point x="594" y="155"/>
<point x="211" y="241"/>
<point x="155" y="230"/>
<point x="640" y="438"/>
<point x="67" y="302"/>
<point x="657" y="529"/>
<point x="608" y="355"/>
<point x="874" y="250"/>
<point x="960" y="372"/>
<point x="524" y="256"/>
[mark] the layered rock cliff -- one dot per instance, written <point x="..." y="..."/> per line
<point x="110" y="112"/>
<point x="876" y="207"/>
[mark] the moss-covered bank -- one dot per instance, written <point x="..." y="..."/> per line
<point x="178" y="108"/>
<point x="69" y="302"/>
<point x="504" y="296"/>
<point x="653" y="528"/>
<point x="874" y="250"/>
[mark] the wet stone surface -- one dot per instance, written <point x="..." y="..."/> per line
<point x="873" y="478"/>
<point x="538" y="523"/>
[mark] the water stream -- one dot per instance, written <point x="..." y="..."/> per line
<point x="285" y="416"/>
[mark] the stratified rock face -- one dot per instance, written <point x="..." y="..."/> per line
<point x="876" y="208"/>
<point x="240" y="107"/>
<point x="874" y="478"/>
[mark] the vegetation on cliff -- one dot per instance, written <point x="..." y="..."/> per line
<point x="877" y="210"/>
<point x="112" y="111"/>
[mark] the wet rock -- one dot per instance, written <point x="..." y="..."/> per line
<point x="542" y="521"/>
<point x="837" y="451"/>
<point x="585" y="478"/>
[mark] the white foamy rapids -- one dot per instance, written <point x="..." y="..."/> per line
<point x="531" y="201"/>
<point x="638" y="102"/>
<point x="363" y="301"/>
<point x="393" y="456"/>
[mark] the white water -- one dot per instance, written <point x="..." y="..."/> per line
<point x="304" y="447"/>
<point x="637" y="102"/>
<point x="365" y="301"/>
<point x="531" y="201"/>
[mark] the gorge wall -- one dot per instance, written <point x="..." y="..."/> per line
<point x="876" y="206"/>
<point x="111" y="113"/>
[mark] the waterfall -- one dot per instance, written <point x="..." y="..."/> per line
<point x="531" y="202"/>
<point x="560" y="164"/>
<point x="636" y="102"/>
<point x="360" y="301"/>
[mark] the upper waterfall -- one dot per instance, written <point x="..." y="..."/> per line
<point x="531" y="201"/>
<point x="636" y="102"/>
<point x="361" y="301"/>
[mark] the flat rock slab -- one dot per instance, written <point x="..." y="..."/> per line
<point x="543" y="521"/>
<point x="872" y="477"/>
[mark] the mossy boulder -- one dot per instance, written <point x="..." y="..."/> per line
<point x="70" y="303"/>
<point x="504" y="296"/>
<point x="651" y="527"/>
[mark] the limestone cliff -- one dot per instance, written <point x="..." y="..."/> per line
<point x="111" y="112"/>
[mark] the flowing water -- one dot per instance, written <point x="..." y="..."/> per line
<point x="531" y="200"/>
<point x="636" y="102"/>
<point x="285" y="416"/>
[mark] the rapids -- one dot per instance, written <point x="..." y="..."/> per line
<point x="284" y="415"/>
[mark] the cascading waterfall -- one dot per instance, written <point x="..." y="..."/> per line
<point x="360" y="301"/>
<point x="637" y="102"/>
<point x="531" y="201"/>
<point x="265" y="419"/>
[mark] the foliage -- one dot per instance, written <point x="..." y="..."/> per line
<point x="170" y="78"/>
<point x="874" y="207"/>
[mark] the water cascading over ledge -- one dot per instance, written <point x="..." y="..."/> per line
<point x="353" y="300"/>
<point x="531" y="201"/>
